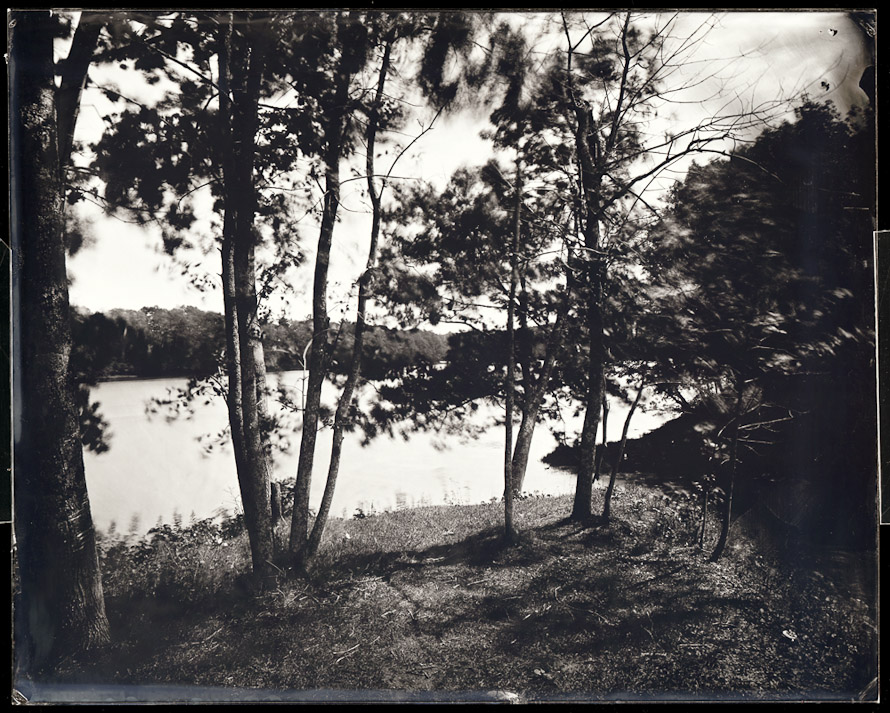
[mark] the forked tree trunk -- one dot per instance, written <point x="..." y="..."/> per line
<point x="299" y="533"/>
<point x="510" y="533"/>
<point x="240" y="71"/>
<point x="345" y="405"/>
<point x="61" y="609"/>
<point x="607" y="500"/>
<point x="534" y="398"/>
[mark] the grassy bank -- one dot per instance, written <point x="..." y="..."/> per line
<point x="429" y="600"/>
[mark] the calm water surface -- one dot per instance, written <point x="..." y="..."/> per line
<point x="157" y="466"/>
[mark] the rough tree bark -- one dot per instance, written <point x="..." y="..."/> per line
<point x="241" y="69"/>
<point x="61" y="609"/>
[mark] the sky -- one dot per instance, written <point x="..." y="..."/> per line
<point x="123" y="265"/>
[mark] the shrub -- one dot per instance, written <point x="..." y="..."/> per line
<point x="188" y="564"/>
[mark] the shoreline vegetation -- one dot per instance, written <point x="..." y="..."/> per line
<point x="429" y="600"/>
<point x="159" y="343"/>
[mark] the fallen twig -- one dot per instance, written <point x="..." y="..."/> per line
<point x="351" y="650"/>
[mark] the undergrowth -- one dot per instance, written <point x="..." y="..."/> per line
<point x="430" y="599"/>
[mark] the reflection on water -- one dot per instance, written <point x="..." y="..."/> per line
<point x="156" y="468"/>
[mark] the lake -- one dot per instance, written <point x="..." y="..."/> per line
<point x="157" y="467"/>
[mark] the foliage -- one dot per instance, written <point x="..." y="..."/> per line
<point x="186" y="341"/>
<point x="761" y="283"/>
<point x="175" y="563"/>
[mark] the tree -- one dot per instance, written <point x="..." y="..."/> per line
<point x="187" y="142"/>
<point x="607" y="498"/>
<point x="352" y="38"/>
<point x="390" y="31"/>
<point x="241" y="56"/>
<point x="61" y="609"/>
<point x="765" y="297"/>
<point x="467" y="233"/>
<point x="606" y="95"/>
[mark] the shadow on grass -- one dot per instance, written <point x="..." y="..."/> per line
<point x="597" y="607"/>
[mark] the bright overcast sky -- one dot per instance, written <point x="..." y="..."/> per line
<point x="123" y="266"/>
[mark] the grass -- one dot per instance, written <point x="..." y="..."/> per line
<point x="429" y="600"/>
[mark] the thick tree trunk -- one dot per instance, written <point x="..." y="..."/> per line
<point x="607" y="500"/>
<point x="74" y="77"/>
<point x="256" y="488"/>
<point x="320" y="321"/>
<point x="345" y="405"/>
<point x="241" y="68"/>
<point x="61" y="608"/>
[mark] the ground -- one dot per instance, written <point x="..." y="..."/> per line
<point x="429" y="600"/>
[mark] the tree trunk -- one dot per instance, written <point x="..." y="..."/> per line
<point x="532" y="403"/>
<point x="602" y="454"/>
<point x="607" y="500"/>
<point x="510" y="533"/>
<point x="706" y="495"/>
<point x="594" y="275"/>
<point x="61" y="609"/>
<point x="74" y="76"/>
<point x="256" y="489"/>
<point x="727" y="508"/>
<point x="262" y="392"/>
<point x="523" y="445"/>
<point x="233" y="347"/>
<point x="241" y="68"/>
<point x="524" y="341"/>
<point x="345" y="405"/>
<point x="320" y="322"/>
<point x="277" y="512"/>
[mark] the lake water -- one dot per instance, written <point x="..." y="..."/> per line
<point x="156" y="466"/>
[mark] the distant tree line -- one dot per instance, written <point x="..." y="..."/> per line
<point x="154" y="342"/>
